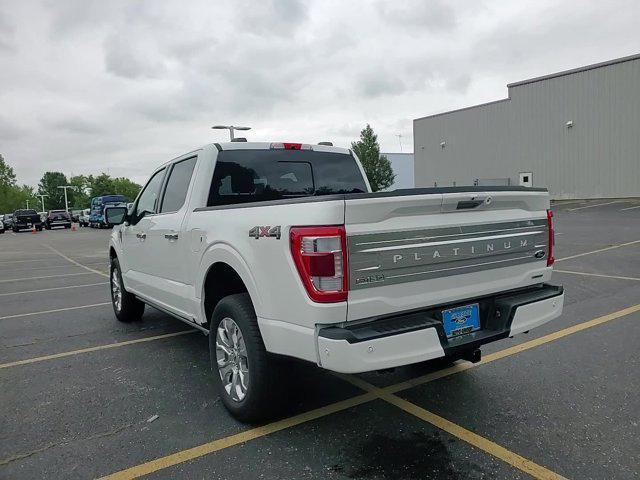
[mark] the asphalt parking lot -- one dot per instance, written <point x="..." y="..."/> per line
<point x="84" y="396"/>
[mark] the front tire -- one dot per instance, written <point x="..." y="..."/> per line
<point x="246" y="376"/>
<point x="126" y="306"/>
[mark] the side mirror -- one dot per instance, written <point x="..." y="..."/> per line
<point x="115" y="215"/>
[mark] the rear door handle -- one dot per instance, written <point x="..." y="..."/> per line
<point x="141" y="236"/>
<point x="171" y="236"/>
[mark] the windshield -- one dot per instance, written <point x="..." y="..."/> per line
<point x="259" y="175"/>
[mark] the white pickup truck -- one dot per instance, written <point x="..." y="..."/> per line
<point x="281" y="250"/>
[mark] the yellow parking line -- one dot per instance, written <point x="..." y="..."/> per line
<point x="220" y="444"/>
<point x="10" y="280"/>
<point x="94" y="349"/>
<point x="484" y="444"/>
<point x="238" y="438"/>
<point x="597" y="275"/>
<point x="74" y="262"/>
<point x="612" y="247"/>
<point x="54" y="288"/>
<point x="55" y="310"/>
<point x="594" y="205"/>
<point x="25" y="261"/>
<point x="629" y="208"/>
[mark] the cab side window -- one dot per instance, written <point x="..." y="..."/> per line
<point x="148" y="201"/>
<point x="175" y="192"/>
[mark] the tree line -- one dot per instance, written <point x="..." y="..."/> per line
<point x="14" y="196"/>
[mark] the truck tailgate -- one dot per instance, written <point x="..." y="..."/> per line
<point x="413" y="249"/>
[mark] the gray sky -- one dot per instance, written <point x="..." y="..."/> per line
<point x="122" y="86"/>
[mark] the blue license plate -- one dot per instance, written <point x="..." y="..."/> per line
<point x="461" y="320"/>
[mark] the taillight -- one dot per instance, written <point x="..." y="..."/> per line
<point x="320" y="255"/>
<point x="552" y="238"/>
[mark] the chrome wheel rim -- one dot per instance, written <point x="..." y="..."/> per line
<point x="231" y="355"/>
<point x="116" y="290"/>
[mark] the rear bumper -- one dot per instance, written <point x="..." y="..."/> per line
<point x="26" y="224"/>
<point x="419" y="336"/>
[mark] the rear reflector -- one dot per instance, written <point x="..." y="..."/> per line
<point x="552" y="238"/>
<point x="320" y="257"/>
<point x="290" y="146"/>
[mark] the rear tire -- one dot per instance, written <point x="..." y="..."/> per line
<point x="246" y="375"/>
<point x="126" y="306"/>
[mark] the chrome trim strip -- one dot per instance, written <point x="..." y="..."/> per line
<point x="433" y="244"/>
<point x="445" y="236"/>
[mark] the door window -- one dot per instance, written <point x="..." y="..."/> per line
<point x="148" y="201"/>
<point x="175" y="192"/>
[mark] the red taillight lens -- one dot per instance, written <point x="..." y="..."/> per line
<point x="320" y="255"/>
<point x="552" y="238"/>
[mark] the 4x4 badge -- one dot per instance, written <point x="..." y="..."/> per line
<point x="267" y="231"/>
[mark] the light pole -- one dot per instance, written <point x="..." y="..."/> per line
<point x="27" y="204"/>
<point x="231" y="129"/>
<point x="66" y="202"/>
<point x="42" y="195"/>
<point x="399" y="135"/>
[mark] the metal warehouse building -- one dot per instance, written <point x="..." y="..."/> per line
<point x="576" y="132"/>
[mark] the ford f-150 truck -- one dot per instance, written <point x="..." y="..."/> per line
<point x="26" y="219"/>
<point x="281" y="250"/>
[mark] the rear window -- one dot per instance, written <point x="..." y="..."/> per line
<point x="25" y="212"/>
<point x="243" y="176"/>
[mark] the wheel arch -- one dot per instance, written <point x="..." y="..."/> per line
<point x="224" y="272"/>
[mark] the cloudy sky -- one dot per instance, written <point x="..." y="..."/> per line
<point x="122" y="86"/>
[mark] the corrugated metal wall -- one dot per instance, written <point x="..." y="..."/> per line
<point x="598" y="157"/>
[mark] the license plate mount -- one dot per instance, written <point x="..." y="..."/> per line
<point x="461" y="320"/>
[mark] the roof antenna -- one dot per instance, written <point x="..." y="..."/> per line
<point x="231" y="129"/>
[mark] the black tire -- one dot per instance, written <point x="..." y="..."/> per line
<point x="131" y="309"/>
<point x="15" y="230"/>
<point x="263" y="398"/>
<point x="48" y="227"/>
<point x="39" y="228"/>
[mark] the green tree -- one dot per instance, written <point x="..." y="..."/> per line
<point x="376" y="166"/>
<point x="12" y="196"/>
<point x="101" y="185"/>
<point x="7" y="175"/>
<point x="124" y="186"/>
<point x="81" y="195"/>
<point x="49" y="184"/>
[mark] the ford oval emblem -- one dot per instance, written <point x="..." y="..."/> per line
<point x="539" y="254"/>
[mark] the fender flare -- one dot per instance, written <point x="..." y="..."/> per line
<point x="224" y="253"/>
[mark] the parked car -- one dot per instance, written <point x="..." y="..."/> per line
<point x="43" y="216"/>
<point x="280" y="250"/>
<point x="27" y="218"/>
<point x="83" y="219"/>
<point x="7" y="219"/>
<point x="58" y="218"/>
<point x="1" y="226"/>
<point x="98" y="204"/>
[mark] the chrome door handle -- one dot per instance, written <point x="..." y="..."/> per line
<point x="171" y="236"/>
<point x="141" y="236"/>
